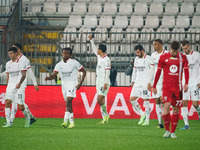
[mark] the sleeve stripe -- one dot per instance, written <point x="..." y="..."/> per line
<point x="107" y="69"/>
<point x="80" y="68"/>
<point x="152" y="64"/>
<point x="55" y="71"/>
<point x="28" y="67"/>
<point x="24" y="70"/>
<point x="185" y="67"/>
<point x="159" y="68"/>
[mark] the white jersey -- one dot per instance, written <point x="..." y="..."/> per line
<point x="68" y="71"/>
<point x="155" y="56"/>
<point x="142" y="69"/>
<point x="194" y="68"/>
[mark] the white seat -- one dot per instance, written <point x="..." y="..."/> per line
<point x="187" y="9"/>
<point x="195" y="36"/>
<point x="182" y="22"/>
<point x="145" y="1"/>
<point x="194" y="1"/>
<point x="83" y="1"/>
<point x="176" y="1"/>
<point x="197" y="9"/>
<point x="101" y="1"/>
<point x="105" y="22"/>
<point x="110" y="9"/>
<point x="125" y="9"/>
<point x="140" y="9"/>
<point x="114" y="1"/>
<point x="114" y="36"/>
<point x="90" y="21"/>
<point x="64" y="8"/>
<point x="101" y="34"/>
<point x="75" y="21"/>
<point x="34" y="9"/>
<point x="94" y="8"/>
<point x="195" y="22"/>
<point x="83" y="34"/>
<point x="38" y="1"/>
<point x="147" y="34"/>
<point x="168" y="22"/>
<point x="67" y="36"/>
<point x="163" y="33"/>
<point x="161" y="1"/>
<point x="171" y="9"/>
<point x="121" y="22"/>
<point x="79" y="8"/>
<point x="132" y="34"/>
<point x="136" y="22"/>
<point x="131" y="1"/>
<point x="49" y="8"/>
<point x="152" y="22"/>
<point x="156" y="8"/>
<point x="68" y="0"/>
<point x="178" y="34"/>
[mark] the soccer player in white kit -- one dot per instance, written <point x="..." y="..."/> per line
<point x="15" y="91"/>
<point x="30" y="74"/>
<point x="103" y="77"/>
<point x="194" y="82"/>
<point x="68" y="69"/>
<point x="155" y="56"/>
<point x="140" y="78"/>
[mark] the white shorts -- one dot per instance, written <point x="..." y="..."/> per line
<point x="15" y="95"/>
<point x="99" y="88"/>
<point x="69" y="90"/>
<point x="191" y="94"/>
<point x="159" y="91"/>
<point x="140" y="91"/>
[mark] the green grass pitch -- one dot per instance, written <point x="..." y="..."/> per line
<point x="119" y="134"/>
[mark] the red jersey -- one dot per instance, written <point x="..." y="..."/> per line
<point x="172" y="70"/>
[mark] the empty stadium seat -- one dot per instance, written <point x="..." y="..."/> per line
<point x="152" y="22"/>
<point x="114" y="36"/>
<point x="195" y="22"/>
<point x="110" y="9"/>
<point x="131" y="1"/>
<point x="197" y="9"/>
<point x="34" y="8"/>
<point x="90" y="21"/>
<point x="194" y="37"/>
<point x="121" y="22"/>
<point x="94" y="8"/>
<point x="178" y="34"/>
<point x="64" y="8"/>
<point x="161" y="1"/>
<point x="83" y="34"/>
<point x="114" y="1"/>
<point x="194" y="1"/>
<point x="176" y="1"/>
<point x="163" y="33"/>
<point x="136" y="22"/>
<point x="83" y="1"/>
<point x="182" y="22"/>
<point x="187" y="9"/>
<point x="105" y="22"/>
<point x="101" y="1"/>
<point x="145" y="1"/>
<point x="101" y="34"/>
<point x="79" y="8"/>
<point x="156" y="8"/>
<point x="171" y="9"/>
<point x="147" y="34"/>
<point x="132" y="34"/>
<point x="69" y="36"/>
<point x="49" y="8"/>
<point x="140" y="9"/>
<point x="68" y="0"/>
<point x="125" y="9"/>
<point x="75" y="21"/>
<point x="168" y="22"/>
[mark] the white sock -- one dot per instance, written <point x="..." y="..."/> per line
<point x="26" y="113"/>
<point x="71" y="118"/>
<point x="198" y="111"/>
<point x="26" y="106"/>
<point x="7" y="113"/>
<point x="103" y="111"/>
<point x="147" y="110"/>
<point x="184" y="112"/>
<point x="66" y="117"/>
<point x="137" y="107"/>
<point x="159" y="113"/>
<point x="13" y="112"/>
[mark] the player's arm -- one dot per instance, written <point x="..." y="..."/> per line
<point x="32" y="76"/>
<point x="129" y="70"/>
<point x="2" y="74"/>
<point x="52" y="76"/>
<point x="151" y="75"/>
<point x="186" y="72"/>
<point x="94" y="48"/>
<point x="22" y="79"/>
<point x="82" y="78"/>
<point x="198" y="85"/>
<point x="7" y="78"/>
<point x="134" y="74"/>
<point x="107" y="79"/>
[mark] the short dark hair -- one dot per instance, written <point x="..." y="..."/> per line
<point x="68" y="49"/>
<point x="14" y="49"/>
<point x="140" y="47"/>
<point x="102" y="47"/>
<point x="175" y="45"/>
<point x="159" y="41"/>
<point x="185" y="42"/>
<point x="18" y="45"/>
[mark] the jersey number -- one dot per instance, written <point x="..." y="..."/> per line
<point x="145" y="92"/>
<point x="19" y="96"/>
<point x="179" y="103"/>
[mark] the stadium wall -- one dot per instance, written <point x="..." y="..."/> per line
<point x="49" y="103"/>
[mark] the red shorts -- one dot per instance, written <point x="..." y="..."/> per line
<point x="174" y="96"/>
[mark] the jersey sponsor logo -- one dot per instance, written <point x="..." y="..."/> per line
<point x="173" y="58"/>
<point x="173" y="68"/>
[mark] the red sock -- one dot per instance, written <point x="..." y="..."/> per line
<point x="174" y="122"/>
<point x="166" y="121"/>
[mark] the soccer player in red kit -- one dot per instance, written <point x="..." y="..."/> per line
<point x="173" y="63"/>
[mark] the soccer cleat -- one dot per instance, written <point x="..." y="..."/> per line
<point x="173" y="136"/>
<point x="186" y="127"/>
<point x="32" y="120"/>
<point x="7" y="125"/>
<point x="11" y="123"/>
<point x="146" y="123"/>
<point x="105" y="120"/>
<point x="27" y="123"/>
<point x="142" y="118"/>
<point x="64" y="124"/>
<point x="71" y="125"/>
<point x="167" y="134"/>
<point x="160" y="126"/>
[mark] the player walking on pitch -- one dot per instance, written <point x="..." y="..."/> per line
<point x="172" y="63"/>
<point x="103" y="77"/>
<point x="68" y="69"/>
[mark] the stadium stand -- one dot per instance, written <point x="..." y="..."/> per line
<point x="140" y="9"/>
<point x="94" y="8"/>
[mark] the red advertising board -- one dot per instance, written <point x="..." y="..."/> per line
<point x="49" y="103"/>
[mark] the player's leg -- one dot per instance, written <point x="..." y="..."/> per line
<point x="69" y="112"/>
<point x="174" y="121"/>
<point x="7" y="113"/>
<point x="158" y="102"/>
<point x="32" y="118"/>
<point x="195" y="100"/>
<point x="184" y="112"/>
<point x="13" y="112"/>
<point x="166" y="118"/>
<point x="197" y="107"/>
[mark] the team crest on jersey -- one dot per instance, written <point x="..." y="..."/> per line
<point x="165" y="98"/>
<point x="173" y="68"/>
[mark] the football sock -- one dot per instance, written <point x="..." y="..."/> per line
<point x="7" y="113"/>
<point x="13" y="112"/>
<point x="26" y="113"/>
<point x="66" y="117"/>
<point x="159" y="113"/>
<point x="184" y="112"/>
<point x="198" y="111"/>
<point x="137" y="107"/>
<point x="71" y="118"/>
<point x="147" y="110"/>
<point x="31" y="115"/>
<point x="174" y="122"/>
<point x="166" y="121"/>
<point x="103" y="110"/>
